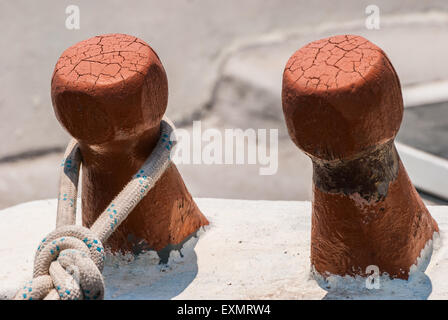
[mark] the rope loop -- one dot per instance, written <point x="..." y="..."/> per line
<point x="69" y="261"/>
<point x="67" y="266"/>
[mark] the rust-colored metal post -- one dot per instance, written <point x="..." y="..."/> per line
<point x="110" y="92"/>
<point x="343" y="107"/>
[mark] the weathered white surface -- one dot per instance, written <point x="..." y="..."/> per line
<point x="252" y="250"/>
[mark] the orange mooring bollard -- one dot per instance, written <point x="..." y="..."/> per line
<point x="110" y="93"/>
<point x="343" y="107"/>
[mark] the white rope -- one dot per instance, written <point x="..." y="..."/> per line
<point x="69" y="261"/>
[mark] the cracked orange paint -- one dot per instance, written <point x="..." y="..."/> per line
<point x="110" y="92"/>
<point x="343" y="107"/>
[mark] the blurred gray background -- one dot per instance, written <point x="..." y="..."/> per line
<point x="224" y="61"/>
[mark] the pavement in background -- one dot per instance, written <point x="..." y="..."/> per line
<point x="426" y="128"/>
<point x="234" y="50"/>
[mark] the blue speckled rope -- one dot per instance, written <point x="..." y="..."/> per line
<point x="69" y="261"/>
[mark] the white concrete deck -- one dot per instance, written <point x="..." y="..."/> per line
<point x="252" y="250"/>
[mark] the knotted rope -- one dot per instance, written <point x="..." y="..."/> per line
<point x="69" y="261"/>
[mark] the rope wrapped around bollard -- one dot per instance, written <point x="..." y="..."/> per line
<point x="69" y="261"/>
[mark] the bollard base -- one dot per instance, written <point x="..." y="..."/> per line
<point x="233" y="258"/>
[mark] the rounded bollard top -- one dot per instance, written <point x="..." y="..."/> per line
<point x="341" y="96"/>
<point x="109" y="87"/>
